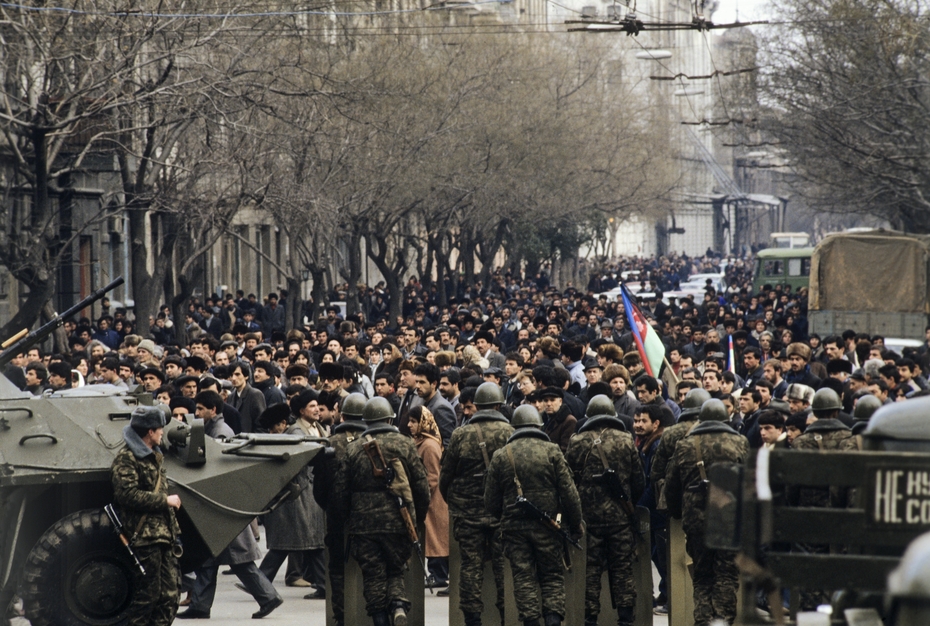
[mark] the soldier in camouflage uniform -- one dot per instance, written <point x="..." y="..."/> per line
<point x="826" y="434"/>
<point x="323" y="485"/>
<point x="378" y="538"/>
<point x="532" y="466"/>
<point x="603" y="443"/>
<point x="715" y="577"/>
<point x="690" y="409"/>
<point x="140" y="489"/>
<point x="461" y="482"/>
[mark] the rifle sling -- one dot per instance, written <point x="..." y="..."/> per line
<point x="600" y="452"/>
<point x="484" y="448"/>
<point x="516" y="479"/>
<point x="700" y="459"/>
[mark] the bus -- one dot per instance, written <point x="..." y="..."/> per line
<point x="782" y="266"/>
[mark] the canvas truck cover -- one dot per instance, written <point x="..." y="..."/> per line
<point x="876" y="271"/>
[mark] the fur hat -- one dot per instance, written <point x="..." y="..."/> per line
<point x="274" y="415"/>
<point x="331" y="371"/>
<point x="801" y="349"/>
<point x="797" y="391"/>
<point x="147" y="417"/>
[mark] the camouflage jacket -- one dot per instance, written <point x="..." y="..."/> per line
<point x="461" y="478"/>
<point x="685" y="494"/>
<point x="324" y="474"/>
<point x="601" y="509"/>
<point x="544" y="475"/>
<point x="134" y="474"/>
<point x="363" y="500"/>
<point x="663" y="455"/>
<point x="823" y="435"/>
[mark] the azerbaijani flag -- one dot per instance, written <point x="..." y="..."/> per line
<point x="651" y="349"/>
<point x="732" y="358"/>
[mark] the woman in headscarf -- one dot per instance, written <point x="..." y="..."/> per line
<point x="425" y="433"/>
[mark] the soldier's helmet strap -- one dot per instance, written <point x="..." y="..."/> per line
<point x="516" y="479"/>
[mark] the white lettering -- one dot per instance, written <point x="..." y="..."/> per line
<point x="895" y="496"/>
<point x="912" y="517"/>
<point x="880" y="496"/>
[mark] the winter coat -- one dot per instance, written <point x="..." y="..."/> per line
<point x="437" y="516"/>
<point x="461" y="480"/>
<point x="134" y="474"/>
<point x="601" y="508"/>
<point x="545" y="478"/>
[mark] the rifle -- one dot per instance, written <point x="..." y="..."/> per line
<point x="534" y="512"/>
<point x="611" y="483"/>
<point x="120" y="532"/>
<point x="23" y="340"/>
<point x="387" y="474"/>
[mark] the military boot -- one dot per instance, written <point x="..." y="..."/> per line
<point x="531" y="622"/>
<point x="380" y="619"/>
<point x="553" y="619"/>
<point x="472" y="619"/>
<point x="400" y="614"/>
<point x="590" y="621"/>
<point x="625" y="616"/>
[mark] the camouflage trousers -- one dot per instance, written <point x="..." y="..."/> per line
<point x="336" y="543"/>
<point x="478" y="544"/>
<point x="610" y="549"/>
<point x="156" y="599"/>
<point x="535" y="557"/>
<point x="715" y="579"/>
<point x="382" y="558"/>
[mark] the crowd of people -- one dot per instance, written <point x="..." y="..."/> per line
<point x="552" y="376"/>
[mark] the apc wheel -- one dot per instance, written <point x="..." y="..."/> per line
<point x="77" y="574"/>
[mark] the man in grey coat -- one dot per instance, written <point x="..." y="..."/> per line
<point x="250" y="402"/>
<point x="241" y="554"/>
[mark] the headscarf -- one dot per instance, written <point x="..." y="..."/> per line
<point x="428" y="426"/>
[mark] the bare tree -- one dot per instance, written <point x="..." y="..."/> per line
<point x="849" y="98"/>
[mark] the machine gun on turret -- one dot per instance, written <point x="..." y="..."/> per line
<point x="23" y="340"/>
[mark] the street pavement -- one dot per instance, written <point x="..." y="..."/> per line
<point x="232" y="606"/>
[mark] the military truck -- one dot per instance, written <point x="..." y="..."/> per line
<point x="59" y="551"/>
<point x="875" y="282"/>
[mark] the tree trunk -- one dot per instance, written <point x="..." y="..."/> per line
<point x="178" y="308"/>
<point x="391" y="280"/>
<point x="317" y="293"/>
<point x="40" y="292"/>
<point x="354" y="274"/>
<point x="294" y="305"/>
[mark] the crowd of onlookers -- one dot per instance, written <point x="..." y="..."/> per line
<point x="555" y="348"/>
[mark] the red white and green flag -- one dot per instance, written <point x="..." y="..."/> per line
<point x="650" y="346"/>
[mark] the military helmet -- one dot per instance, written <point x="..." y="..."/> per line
<point x="693" y="402"/>
<point x="713" y="411"/>
<point x="826" y="400"/>
<point x="488" y="394"/>
<point x="377" y="409"/>
<point x="865" y="406"/>
<point x="600" y="405"/>
<point x="353" y="406"/>
<point x="526" y="415"/>
<point x="695" y="399"/>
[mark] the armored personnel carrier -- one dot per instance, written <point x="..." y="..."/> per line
<point x="59" y="550"/>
